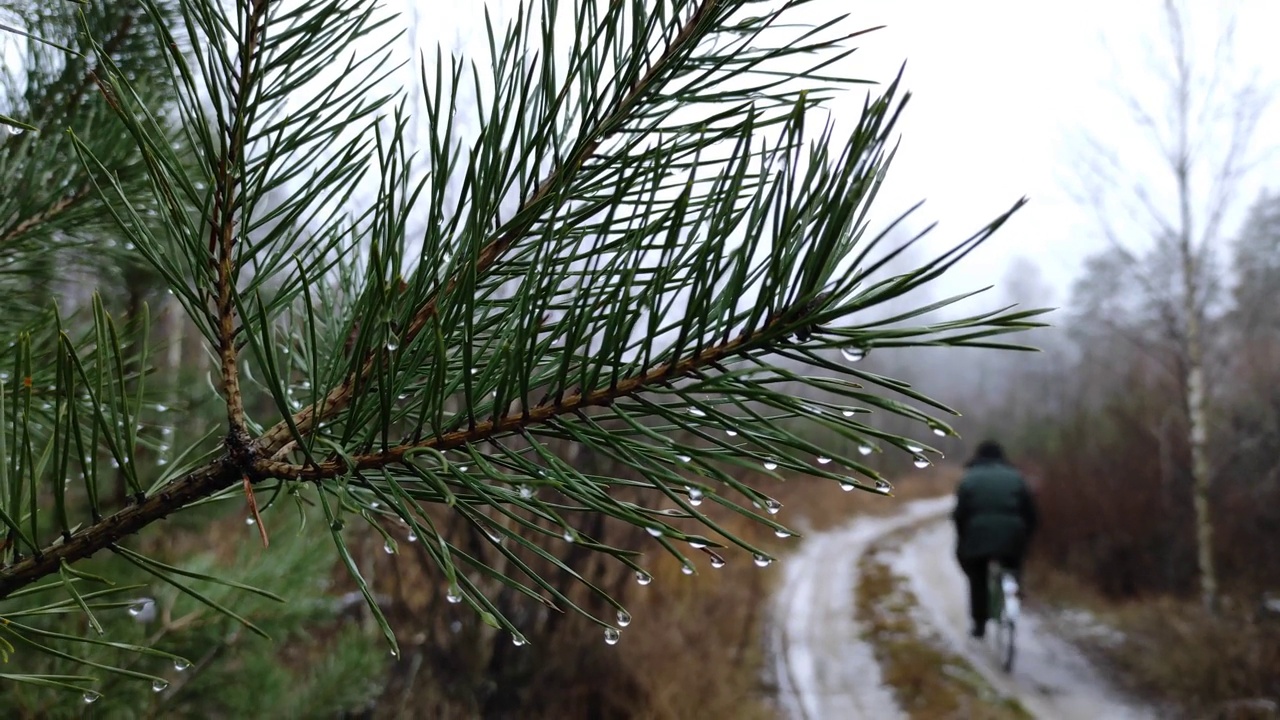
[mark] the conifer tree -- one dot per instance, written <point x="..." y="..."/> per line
<point x="637" y="218"/>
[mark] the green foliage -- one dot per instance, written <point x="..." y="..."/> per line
<point x="647" y="241"/>
<point x="172" y="654"/>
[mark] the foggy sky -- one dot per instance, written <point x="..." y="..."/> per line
<point x="1002" y="92"/>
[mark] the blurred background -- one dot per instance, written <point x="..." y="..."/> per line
<point x="1146" y="142"/>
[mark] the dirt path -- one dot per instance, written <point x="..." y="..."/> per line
<point x="825" y="669"/>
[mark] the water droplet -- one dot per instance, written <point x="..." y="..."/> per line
<point x="181" y="665"/>
<point x="453" y="595"/>
<point x="389" y="548"/>
<point x="697" y="412"/>
<point x="161" y="408"/>
<point x="864" y="449"/>
<point x="848" y="413"/>
<point x="940" y="431"/>
<point x="686" y="569"/>
<point x="91" y="697"/>
<point x="475" y="371"/>
<point x="643" y="577"/>
<point x="526" y="492"/>
<point x="518" y="641"/>
<point x="697" y="544"/>
<point x="375" y="505"/>
<point x="770" y="465"/>
<point x="823" y="460"/>
<point x="395" y="653"/>
<point x="914" y="448"/>
<point x="883" y="486"/>
<point x="683" y="458"/>
<point x="392" y="346"/>
<point x="15" y="130"/>
<point x="455" y="627"/>
<point x="695" y="495"/>
<point x="412" y="537"/>
<point x="624" y="618"/>
<point x="250" y="521"/>
<point x="717" y="562"/>
<point x="847" y="484"/>
<point x="463" y="468"/>
<point x="782" y="533"/>
<point x="853" y="354"/>
<point x="761" y="560"/>
<point x="568" y="536"/>
<point x="159" y="685"/>
<point x="731" y="433"/>
<point x="772" y="506"/>
<point x="141" y="606"/>
<point x="654" y="531"/>
<point x="612" y="636"/>
<point x="921" y="462"/>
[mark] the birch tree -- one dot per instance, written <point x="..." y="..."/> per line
<point x="1200" y="122"/>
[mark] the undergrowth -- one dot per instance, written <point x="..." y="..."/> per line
<point x="1171" y="652"/>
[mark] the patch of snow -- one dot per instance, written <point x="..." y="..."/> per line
<point x="1051" y="678"/>
<point x="1084" y="625"/>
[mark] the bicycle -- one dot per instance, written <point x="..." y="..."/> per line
<point x="1005" y="606"/>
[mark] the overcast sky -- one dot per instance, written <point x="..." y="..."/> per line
<point x="1002" y="91"/>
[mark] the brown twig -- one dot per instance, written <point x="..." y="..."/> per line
<point x="73" y="99"/>
<point x="222" y="232"/>
<point x="535" y="415"/>
<point x="198" y="485"/>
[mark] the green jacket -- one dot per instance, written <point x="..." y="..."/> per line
<point x="994" y="514"/>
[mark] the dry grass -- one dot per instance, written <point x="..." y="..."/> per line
<point x="693" y="650"/>
<point x="929" y="681"/>
<point x="1168" y="651"/>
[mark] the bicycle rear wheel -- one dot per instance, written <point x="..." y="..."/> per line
<point x="1005" y="631"/>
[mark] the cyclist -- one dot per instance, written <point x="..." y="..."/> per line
<point x="995" y="516"/>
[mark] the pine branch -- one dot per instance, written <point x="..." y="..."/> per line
<point x="77" y="196"/>
<point x="223" y="225"/>
<point x="339" y="398"/>
<point x="102" y="535"/>
<point x="521" y="421"/>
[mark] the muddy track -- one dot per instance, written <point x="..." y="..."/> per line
<point x="824" y="669"/>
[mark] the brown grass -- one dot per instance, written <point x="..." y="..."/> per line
<point x="693" y="649"/>
<point x="1170" y="652"/>
<point x="929" y="681"/>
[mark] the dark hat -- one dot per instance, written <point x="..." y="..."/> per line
<point x="989" y="450"/>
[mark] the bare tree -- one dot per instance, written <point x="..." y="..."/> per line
<point x="1200" y="121"/>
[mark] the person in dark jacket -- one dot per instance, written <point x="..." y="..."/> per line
<point x="995" y="516"/>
